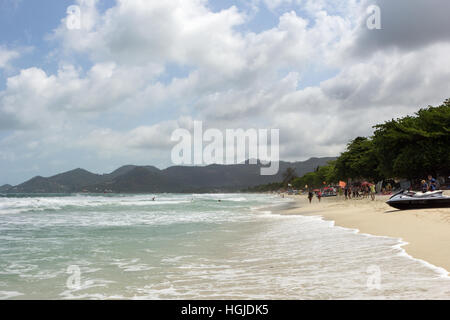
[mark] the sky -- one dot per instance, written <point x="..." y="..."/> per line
<point x="112" y="91"/>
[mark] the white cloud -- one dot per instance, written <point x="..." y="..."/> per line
<point x="6" y="55"/>
<point x="141" y="139"/>
<point x="139" y="32"/>
<point x="34" y="99"/>
<point x="131" y="44"/>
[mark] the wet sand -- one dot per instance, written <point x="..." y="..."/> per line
<point x="427" y="231"/>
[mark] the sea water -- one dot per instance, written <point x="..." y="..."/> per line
<point x="193" y="246"/>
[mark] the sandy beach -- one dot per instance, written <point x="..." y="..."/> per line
<point x="427" y="231"/>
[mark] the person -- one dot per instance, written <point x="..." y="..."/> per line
<point x="424" y="186"/>
<point x="372" y="191"/>
<point x="319" y="195"/>
<point x="389" y="187"/>
<point x="431" y="183"/>
<point x="310" y="196"/>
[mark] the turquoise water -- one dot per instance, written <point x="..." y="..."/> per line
<point x="195" y="247"/>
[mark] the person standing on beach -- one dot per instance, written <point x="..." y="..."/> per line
<point x="310" y="196"/>
<point x="372" y="191"/>
<point x="319" y="195"/>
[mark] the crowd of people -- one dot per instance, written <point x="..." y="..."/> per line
<point x="368" y="190"/>
<point x="361" y="191"/>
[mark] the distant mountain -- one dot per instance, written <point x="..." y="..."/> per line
<point x="40" y="185"/>
<point x="149" y="179"/>
<point x="5" y="187"/>
<point x="67" y="182"/>
<point x="125" y="169"/>
<point x="136" y="180"/>
<point x="78" y="178"/>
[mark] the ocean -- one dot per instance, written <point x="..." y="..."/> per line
<point x="193" y="246"/>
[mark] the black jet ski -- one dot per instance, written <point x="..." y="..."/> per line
<point x="417" y="200"/>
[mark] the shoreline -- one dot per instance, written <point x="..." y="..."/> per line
<point x="424" y="233"/>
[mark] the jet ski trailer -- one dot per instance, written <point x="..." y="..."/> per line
<point x="404" y="200"/>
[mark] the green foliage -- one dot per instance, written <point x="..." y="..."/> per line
<point x="317" y="178"/>
<point x="415" y="146"/>
<point x="358" y="161"/>
<point x="410" y="147"/>
<point x="266" y="187"/>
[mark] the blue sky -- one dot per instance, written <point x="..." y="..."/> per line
<point x="26" y="24"/>
<point x="112" y="92"/>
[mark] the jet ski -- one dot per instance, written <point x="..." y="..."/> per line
<point x="404" y="200"/>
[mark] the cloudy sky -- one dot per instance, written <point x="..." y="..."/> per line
<point x="113" y="91"/>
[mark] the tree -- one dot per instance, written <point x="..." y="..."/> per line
<point x="414" y="146"/>
<point x="358" y="161"/>
<point x="317" y="178"/>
